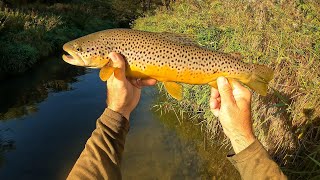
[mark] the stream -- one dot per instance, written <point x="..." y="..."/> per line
<point x="47" y="114"/>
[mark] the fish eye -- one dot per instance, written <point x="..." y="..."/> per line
<point x="77" y="48"/>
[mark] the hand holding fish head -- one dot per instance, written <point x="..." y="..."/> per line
<point x="123" y="95"/>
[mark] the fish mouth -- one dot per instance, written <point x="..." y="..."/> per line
<point x="72" y="57"/>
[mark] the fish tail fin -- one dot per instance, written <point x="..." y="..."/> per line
<point x="259" y="79"/>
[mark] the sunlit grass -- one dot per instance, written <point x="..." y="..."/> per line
<point x="283" y="35"/>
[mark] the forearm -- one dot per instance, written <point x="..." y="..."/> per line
<point x="254" y="162"/>
<point x="102" y="154"/>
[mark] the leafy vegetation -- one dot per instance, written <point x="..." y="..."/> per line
<point x="284" y="35"/>
<point x="31" y="31"/>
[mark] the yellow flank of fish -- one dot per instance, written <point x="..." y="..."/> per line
<point x="167" y="57"/>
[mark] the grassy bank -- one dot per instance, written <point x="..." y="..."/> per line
<point x="32" y="31"/>
<point x="284" y="35"/>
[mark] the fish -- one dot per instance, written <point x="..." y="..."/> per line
<point x="170" y="58"/>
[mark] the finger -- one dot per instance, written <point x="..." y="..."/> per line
<point x="239" y="90"/>
<point x="216" y="112"/>
<point x="148" y="82"/>
<point x="134" y="82"/>
<point x="215" y="102"/>
<point x="139" y="83"/>
<point x="215" y="98"/>
<point x="119" y="64"/>
<point x="225" y="91"/>
<point x="241" y="94"/>
<point x="215" y="106"/>
<point x="214" y="93"/>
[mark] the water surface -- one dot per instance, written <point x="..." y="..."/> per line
<point x="48" y="114"/>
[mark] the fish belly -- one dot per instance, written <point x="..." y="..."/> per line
<point x="167" y="74"/>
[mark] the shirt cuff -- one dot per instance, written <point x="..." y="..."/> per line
<point x="245" y="154"/>
<point x="114" y="120"/>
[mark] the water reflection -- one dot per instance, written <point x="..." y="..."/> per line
<point x="6" y="144"/>
<point x="47" y="143"/>
<point x="161" y="147"/>
<point x="19" y="96"/>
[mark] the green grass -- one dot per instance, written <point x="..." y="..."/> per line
<point x="285" y="35"/>
<point x="33" y="31"/>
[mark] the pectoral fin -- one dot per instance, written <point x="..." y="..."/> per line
<point x="174" y="89"/>
<point x="106" y="72"/>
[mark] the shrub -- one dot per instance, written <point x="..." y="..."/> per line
<point x="22" y="57"/>
<point x="36" y="30"/>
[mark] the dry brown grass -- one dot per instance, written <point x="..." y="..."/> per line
<point x="285" y="35"/>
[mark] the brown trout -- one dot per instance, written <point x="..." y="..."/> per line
<point x="166" y="57"/>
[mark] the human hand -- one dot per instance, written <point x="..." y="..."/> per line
<point x="232" y="106"/>
<point x="123" y="95"/>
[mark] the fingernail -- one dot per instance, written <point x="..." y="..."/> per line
<point x="222" y="80"/>
<point x="139" y="82"/>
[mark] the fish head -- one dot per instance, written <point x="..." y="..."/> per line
<point x="87" y="51"/>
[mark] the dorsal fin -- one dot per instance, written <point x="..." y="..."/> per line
<point x="179" y="38"/>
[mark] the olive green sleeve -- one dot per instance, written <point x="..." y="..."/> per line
<point x="102" y="154"/>
<point x="255" y="163"/>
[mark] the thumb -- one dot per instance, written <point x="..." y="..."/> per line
<point x="119" y="65"/>
<point x="225" y="91"/>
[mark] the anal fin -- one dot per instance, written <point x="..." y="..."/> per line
<point x="174" y="89"/>
<point x="106" y="72"/>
